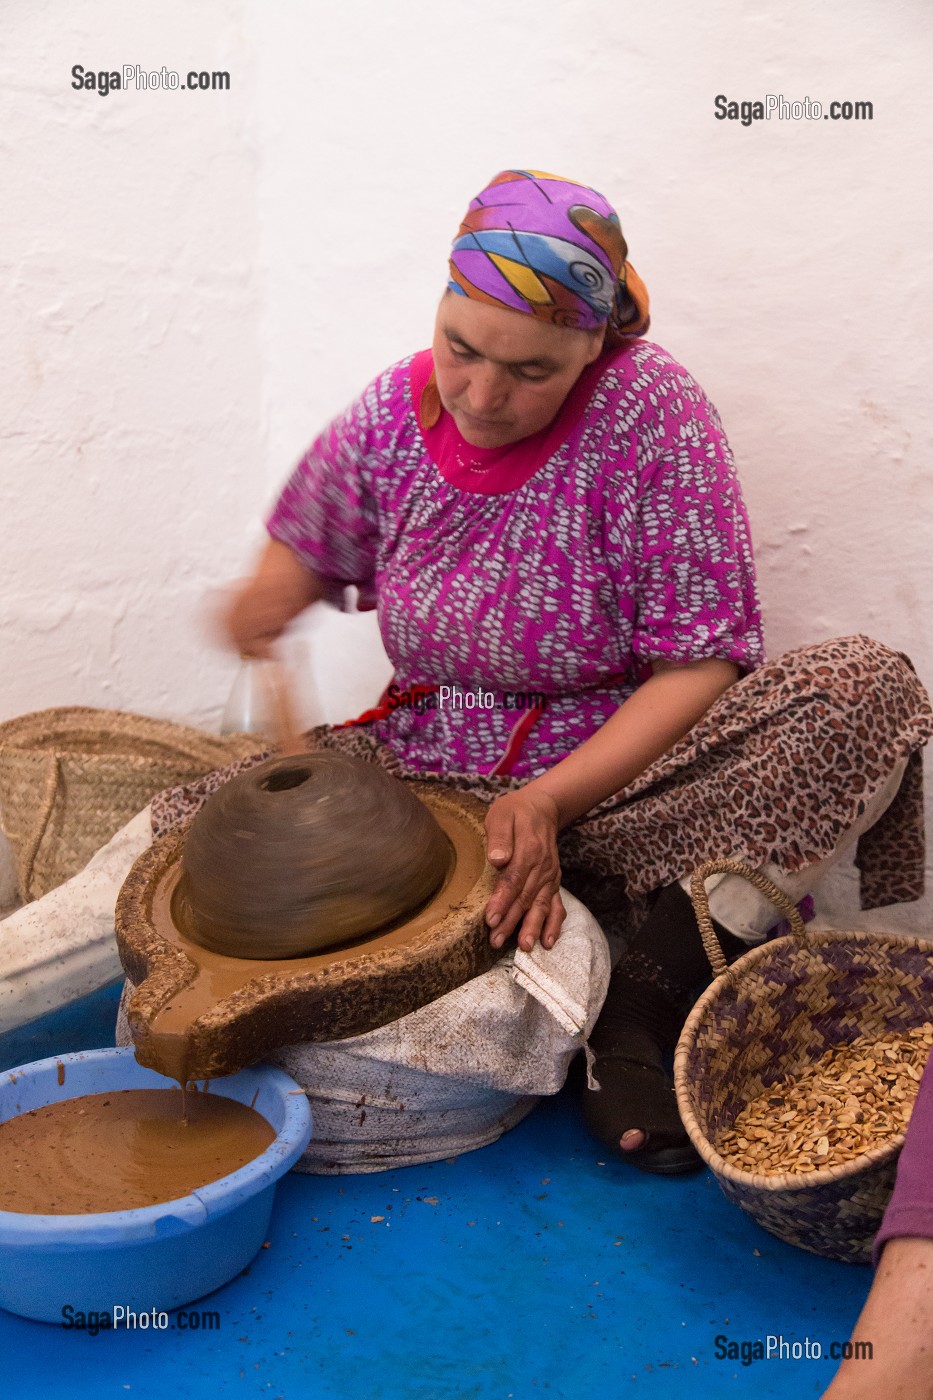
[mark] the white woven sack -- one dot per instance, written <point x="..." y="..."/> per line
<point x="458" y="1073"/>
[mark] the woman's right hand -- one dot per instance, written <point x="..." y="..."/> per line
<point x="251" y="620"/>
<point x="258" y="610"/>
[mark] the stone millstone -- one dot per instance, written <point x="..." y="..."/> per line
<point x="304" y="853"/>
<point x="196" y="1014"/>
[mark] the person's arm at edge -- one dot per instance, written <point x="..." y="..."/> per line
<point x="891" y="1349"/>
<point x="894" y="1331"/>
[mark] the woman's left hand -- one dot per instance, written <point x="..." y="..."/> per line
<point x="521" y="840"/>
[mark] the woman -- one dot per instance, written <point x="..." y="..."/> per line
<point x="545" y="504"/>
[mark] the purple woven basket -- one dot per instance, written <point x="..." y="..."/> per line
<point x="774" y="1012"/>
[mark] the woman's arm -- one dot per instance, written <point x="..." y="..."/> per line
<point x="280" y="588"/>
<point x="660" y="712"/>
<point x="522" y="826"/>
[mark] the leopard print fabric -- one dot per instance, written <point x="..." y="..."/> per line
<point x="778" y="769"/>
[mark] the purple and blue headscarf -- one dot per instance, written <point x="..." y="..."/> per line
<point x="540" y="244"/>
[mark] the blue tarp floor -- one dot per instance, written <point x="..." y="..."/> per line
<point x="536" y="1267"/>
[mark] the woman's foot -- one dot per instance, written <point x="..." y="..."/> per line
<point x="634" y="1110"/>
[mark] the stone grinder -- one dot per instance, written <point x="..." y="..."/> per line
<point x="313" y="897"/>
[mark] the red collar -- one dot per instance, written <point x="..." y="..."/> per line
<point x="493" y="471"/>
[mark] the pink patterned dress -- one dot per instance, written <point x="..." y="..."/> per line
<point x="541" y="582"/>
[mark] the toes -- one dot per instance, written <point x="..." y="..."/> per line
<point x="632" y="1140"/>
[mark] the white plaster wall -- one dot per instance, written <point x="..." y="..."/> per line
<point x="129" y="356"/>
<point x="199" y="281"/>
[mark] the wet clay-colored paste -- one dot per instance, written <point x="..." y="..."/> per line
<point x="122" y="1150"/>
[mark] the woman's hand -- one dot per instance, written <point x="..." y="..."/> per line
<point x="257" y="612"/>
<point x="521" y="840"/>
<point x="522" y="826"/>
<point x="252" y="617"/>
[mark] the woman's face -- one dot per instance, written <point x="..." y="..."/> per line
<point x="503" y="375"/>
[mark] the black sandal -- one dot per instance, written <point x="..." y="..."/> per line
<point x="649" y="995"/>
<point x="637" y="1096"/>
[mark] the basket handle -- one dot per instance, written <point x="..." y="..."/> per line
<point x="711" y="944"/>
<point x="41" y="825"/>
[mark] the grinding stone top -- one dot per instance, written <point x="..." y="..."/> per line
<point x="304" y="853"/>
<point x="194" y="1019"/>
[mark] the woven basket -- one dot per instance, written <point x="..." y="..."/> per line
<point x="71" y="777"/>
<point x="775" y="1011"/>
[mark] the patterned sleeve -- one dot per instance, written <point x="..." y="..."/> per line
<point x="696" y="590"/>
<point x="327" y="513"/>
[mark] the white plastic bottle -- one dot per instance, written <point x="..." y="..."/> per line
<point x="245" y="710"/>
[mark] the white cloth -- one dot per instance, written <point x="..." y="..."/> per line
<point x="62" y="946"/>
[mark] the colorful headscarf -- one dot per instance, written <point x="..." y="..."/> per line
<point x="544" y="245"/>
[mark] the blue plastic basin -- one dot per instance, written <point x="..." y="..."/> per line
<point x="160" y="1256"/>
